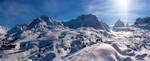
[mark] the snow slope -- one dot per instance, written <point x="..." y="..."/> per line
<point x="3" y="30"/>
<point x="100" y="52"/>
<point x="89" y="20"/>
<point x="119" y="23"/>
<point x="46" y="39"/>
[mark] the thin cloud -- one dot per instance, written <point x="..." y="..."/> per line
<point x="107" y="9"/>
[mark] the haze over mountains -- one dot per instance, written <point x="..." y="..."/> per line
<point x="81" y="39"/>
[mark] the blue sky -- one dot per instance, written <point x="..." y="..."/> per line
<point x="14" y="12"/>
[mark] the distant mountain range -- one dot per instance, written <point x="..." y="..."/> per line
<point x="44" y="23"/>
<point x="47" y="39"/>
<point x="143" y="22"/>
<point x="3" y="30"/>
<point x="63" y="38"/>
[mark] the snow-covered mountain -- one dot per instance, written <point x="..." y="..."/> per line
<point x="87" y="21"/>
<point x="119" y="23"/>
<point x="44" y="21"/>
<point x="82" y="39"/>
<point x="17" y="29"/>
<point x="121" y="26"/>
<point x="53" y="38"/>
<point x="143" y="22"/>
<point x="3" y="30"/>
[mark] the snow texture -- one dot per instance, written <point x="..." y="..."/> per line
<point x="46" y="39"/>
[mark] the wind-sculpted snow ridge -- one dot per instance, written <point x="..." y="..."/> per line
<point x="101" y="52"/>
<point x="82" y="44"/>
<point x="140" y="42"/>
<point x="46" y="39"/>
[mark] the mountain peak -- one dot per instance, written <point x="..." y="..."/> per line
<point x="44" y="21"/>
<point x="88" y="20"/>
<point x="145" y="20"/>
<point x="119" y="23"/>
<point x="44" y="17"/>
<point x="88" y="17"/>
<point x="18" y="29"/>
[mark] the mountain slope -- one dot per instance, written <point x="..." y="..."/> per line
<point x="143" y="22"/>
<point x="3" y="30"/>
<point x="46" y="39"/>
<point x="45" y="36"/>
<point x="87" y="21"/>
<point x="119" y="23"/>
<point x="44" y="21"/>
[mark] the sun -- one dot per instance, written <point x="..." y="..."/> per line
<point x="123" y="3"/>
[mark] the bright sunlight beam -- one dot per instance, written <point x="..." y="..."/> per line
<point x="123" y="5"/>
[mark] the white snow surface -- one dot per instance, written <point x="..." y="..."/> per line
<point x="82" y="44"/>
<point x="3" y="30"/>
<point x="100" y="52"/>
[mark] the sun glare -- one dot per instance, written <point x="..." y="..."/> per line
<point x="123" y="6"/>
<point x="123" y="3"/>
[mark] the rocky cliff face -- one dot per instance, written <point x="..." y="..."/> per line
<point x="140" y="21"/>
<point x="49" y="38"/>
<point x="143" y="23"/>
<point x="87" y="21"/>
<point x="44" y="21"/>
<point x="119" y="23"/>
